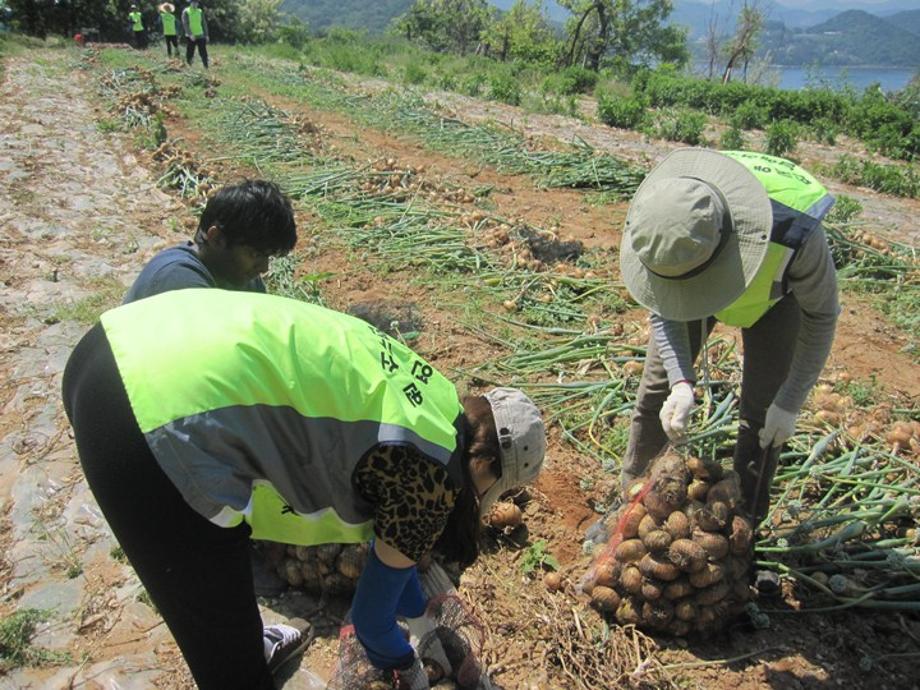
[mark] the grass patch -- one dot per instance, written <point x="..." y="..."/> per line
<point x="899" y="180"/>
<point x="864" y="393"/>
<point x="107" y="294"/>
<point x="16" y="649"/>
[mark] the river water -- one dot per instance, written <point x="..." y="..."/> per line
<point x="890" y="78"/>
<point x="794" y="77"/>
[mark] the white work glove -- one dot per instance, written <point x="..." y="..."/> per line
<point x="413" y="678"/>
<point x="675" y="413"/>
<point x="425" y="641"/>
<point x="778" y="427"/>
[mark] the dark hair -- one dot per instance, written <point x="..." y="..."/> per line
<point x="460" y="539"/>
<point x="255" y="213"/>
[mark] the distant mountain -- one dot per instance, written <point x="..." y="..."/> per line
<point x="909" y="20"/>
<point x="373" y="15"/>
<point x="879" y="8"/>
<point x="694" y="14"/>
<point x="854" y="37"/>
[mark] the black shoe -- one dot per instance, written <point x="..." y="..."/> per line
<point x="284" y="642"/>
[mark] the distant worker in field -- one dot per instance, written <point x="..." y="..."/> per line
<point x="242" y="227"/>
<point x="734" y="237"/>
<point x="195" y="27"/>
<point x="168" y="22"/>
<point x="138" y="34"/>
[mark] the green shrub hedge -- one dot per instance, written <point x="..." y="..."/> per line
<point x="873" y="117"/>
<point x="890" y="179"/>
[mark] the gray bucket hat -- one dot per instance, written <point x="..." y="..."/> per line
<point x="696" y="233"/>
<point x="522" y="438"/>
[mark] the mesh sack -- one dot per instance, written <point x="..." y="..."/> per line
<point x="461" y="636"/>
<point x="678" y="553"/>
<point x="455" y="629"/>
<point x="354" y="670"/>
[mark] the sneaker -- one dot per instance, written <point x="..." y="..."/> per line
<point x="284" y="642"/>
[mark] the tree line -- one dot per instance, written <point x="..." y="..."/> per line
<point x="626" y="31"/>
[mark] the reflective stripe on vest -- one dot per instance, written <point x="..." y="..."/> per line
<point x="169" y="23"/>
<point x="136" y="18"/>
<point x="324" y="526"/>
<point x="194" y="21"/>
<point x="799" y="202"/>
<point x="258" y="407"/>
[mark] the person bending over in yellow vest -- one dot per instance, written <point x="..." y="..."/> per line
<point x="204" y="417"/>
<point x="195" y="27"/>
<point x="138" y="35"/>
<point x="168" y="22"/>
<point x="734" y="237"/>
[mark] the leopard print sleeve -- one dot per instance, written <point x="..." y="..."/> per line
<point x="412" y="495"/>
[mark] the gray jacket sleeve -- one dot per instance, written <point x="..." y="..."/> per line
<point x="813" y="281"/>
<point x="673" y="341"/>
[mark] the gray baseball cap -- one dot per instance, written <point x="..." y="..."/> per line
<point x="522" y="438"/>
<point x="697" y="232"/>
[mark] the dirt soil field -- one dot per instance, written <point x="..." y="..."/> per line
<point x="80" y="213"/>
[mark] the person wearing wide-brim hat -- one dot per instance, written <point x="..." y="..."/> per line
<point x="735" y="237"/>
<point x="168" y="23"/>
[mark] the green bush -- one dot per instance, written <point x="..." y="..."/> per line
<point x="732" y="139"/>
<point x="908" y="98"/>
<point x="781" y="138"/>
<point x="824" y="131"/>
<point x="681" y="125"/>
<point x="628" y="113"/>
<point x="471" y="84"/>
<point x="576" y="80"/>
<point x="504" y="87"/>
<point x="414" y="73"/>
<point x="750" y="115"/>
<point x="295" y="33"/>
<point x="447" y="81"/>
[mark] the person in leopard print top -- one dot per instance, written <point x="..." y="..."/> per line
<point x="289" y="422"/>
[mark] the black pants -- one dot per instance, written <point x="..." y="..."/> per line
<point x="171" y="42"/>
<point x="202" y="44"/>
<point x="197" y="574"/>
<point x="140" y="39"/>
